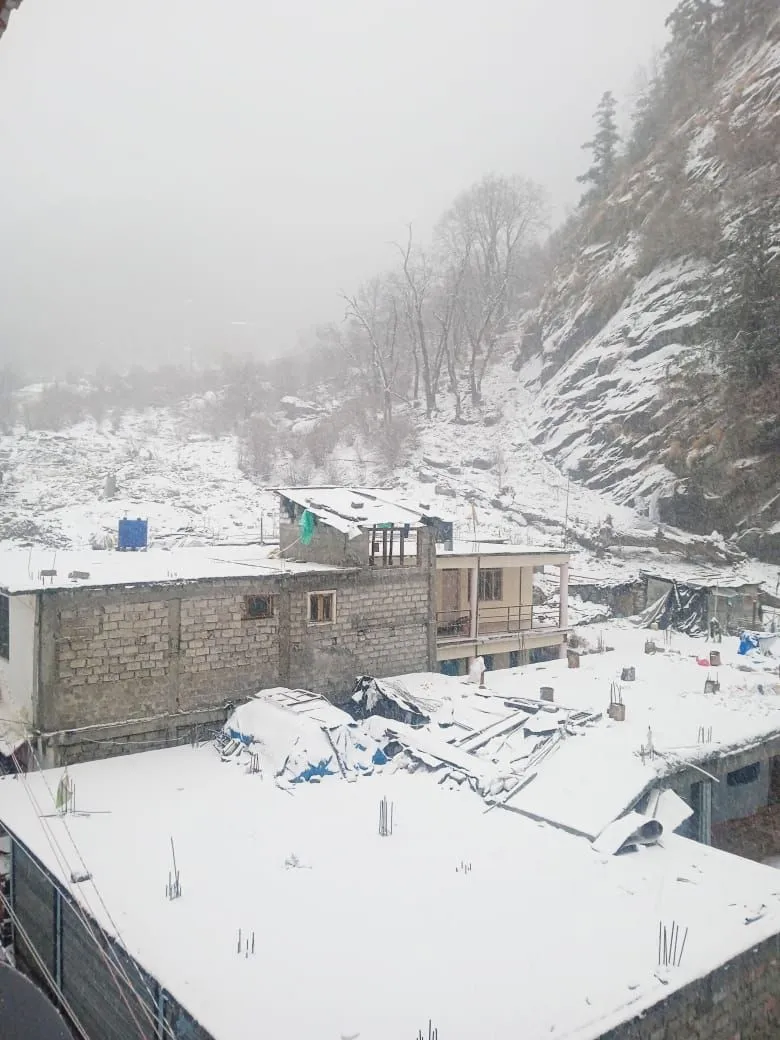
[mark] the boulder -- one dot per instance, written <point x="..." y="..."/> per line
<point x="749" y="541"/>
<point x="482" y="463"/>
<point x="769" y="547"/>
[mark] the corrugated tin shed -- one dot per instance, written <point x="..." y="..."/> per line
<point x="702" y="579"/>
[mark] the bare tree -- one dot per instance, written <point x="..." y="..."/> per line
<point x="448" y="317"/>
<point x="374" y="310"/>
<point x="484" y="234"/>
<point x="417" y="281"/>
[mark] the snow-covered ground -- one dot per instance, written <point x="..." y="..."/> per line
<point x="491" y="479"/>
<point x="189" y="486"/>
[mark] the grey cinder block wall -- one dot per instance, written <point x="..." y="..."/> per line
<point x="151" y="665"/>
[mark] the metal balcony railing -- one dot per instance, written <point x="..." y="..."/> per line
<point x="453" y="624"/>
<point x="494" y="620"/>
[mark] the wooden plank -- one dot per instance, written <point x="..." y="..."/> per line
<point x="329" y="738"/>
<point x="474" y="741"/>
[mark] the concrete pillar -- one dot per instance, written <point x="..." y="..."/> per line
<point x="704" y="829"/>
<point x="474" y="600"/>
<point x="563" y="614"/>
<point x="563" y="610"/>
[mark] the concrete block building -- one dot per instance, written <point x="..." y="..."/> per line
<point x="103" y="653"/>
<point x="480" y="593"/>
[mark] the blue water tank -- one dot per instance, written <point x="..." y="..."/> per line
<point x="133" y="534"/>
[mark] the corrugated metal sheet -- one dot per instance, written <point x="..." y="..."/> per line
<point x="99" y="1000"/>
<point x="183" y="1025"/>
<point x="109" y="992"/>
<point x="33" y="896"/>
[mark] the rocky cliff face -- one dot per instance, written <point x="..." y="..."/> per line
<point x="620" y="352"/>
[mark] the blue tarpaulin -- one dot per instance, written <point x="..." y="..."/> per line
<point x="748" y="642"/>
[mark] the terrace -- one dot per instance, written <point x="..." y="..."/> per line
<point x="485" y="602"/>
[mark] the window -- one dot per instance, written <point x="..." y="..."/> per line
<point x="491" y="584"/>
<point x="5" y="643"/>
<point x="256" y="607"/>
<point x="322" y="607"/>
<point x="745" y="775"/>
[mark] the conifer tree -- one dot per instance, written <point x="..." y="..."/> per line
<point x="693" y="27"/>
<point x="604" y="149"/>
<point x="746" y="318"/>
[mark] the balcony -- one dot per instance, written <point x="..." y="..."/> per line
<point x="453" y="626"/>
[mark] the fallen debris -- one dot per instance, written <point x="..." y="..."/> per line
<point x="389" y="699"/>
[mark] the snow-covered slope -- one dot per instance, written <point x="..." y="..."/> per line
<point x="627" y="396"/>
<point x="483" y="472"/>
<point x="188" y="485"/>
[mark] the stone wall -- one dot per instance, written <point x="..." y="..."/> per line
<point x="739" y="1001"/>
<point x="756" y="837"/>
<point x="624" y="600"/>
<point x="111" y="660"/>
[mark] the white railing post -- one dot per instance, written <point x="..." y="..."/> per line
<point x="563" y="612"/>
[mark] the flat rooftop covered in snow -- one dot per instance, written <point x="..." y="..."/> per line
<point x="487" y="548"/>
<point x="597" y="774"/>
<point x="20" y="569"/>
<point x="350" y="509"/>
<point x="356" y="934"/>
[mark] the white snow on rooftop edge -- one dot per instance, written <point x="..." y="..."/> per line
<point x="374" y="936"/>
<point x="480" y="548"/>
<point x="20" y="569"/>
<point x="599" y="773"/>
<point x="350" y="509"/>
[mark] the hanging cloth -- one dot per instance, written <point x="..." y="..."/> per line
<point x="306" y="526"/>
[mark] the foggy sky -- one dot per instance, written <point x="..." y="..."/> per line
<point x="183" y="174"/>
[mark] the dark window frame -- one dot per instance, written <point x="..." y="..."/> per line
<point x="254" y="611"/>
<point x="5" y="627"/>
<point x="746" y="775"/>
<point x="317" y="608"/>
<point x="490" y="584"/>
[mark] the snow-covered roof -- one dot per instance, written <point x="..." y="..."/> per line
<point x="21" y="570"/>
<point x="701" y="579"/>
<point x="351" y="509"/>
<point x="597" y="774"/>
<point x="328" y="901"/>
<point x="479" y="548"/>
<point x="304" y="866"/>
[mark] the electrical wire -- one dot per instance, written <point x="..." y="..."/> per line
<point x="120" y="967"/>
<point x="115" y="970"/>
<point x="64" y="867"/>
<point x="43" y="968"/>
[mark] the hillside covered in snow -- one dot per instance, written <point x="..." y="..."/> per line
<point x="615" y="389"/>
<point x="640" y="354"/>
<point x="67" y="487"/>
